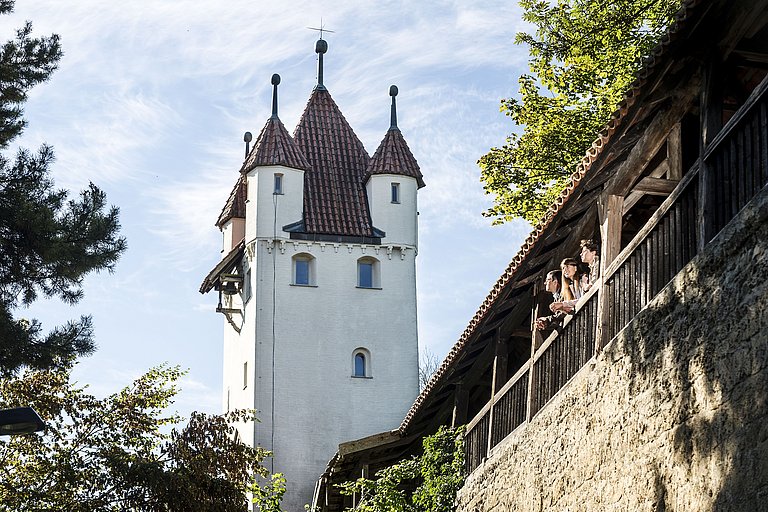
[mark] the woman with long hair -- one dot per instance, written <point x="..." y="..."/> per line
<point x="571" y="288"/>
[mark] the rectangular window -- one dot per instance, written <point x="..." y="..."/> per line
<point x="247" y="287"/>
<point x="365" y="275"/>
<point x="278" y="183"/>
<point x="395" y="192"/>
<point x="302" y="272"/>
<point x="245" y="374"/>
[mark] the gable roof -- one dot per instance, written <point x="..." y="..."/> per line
<point x="394" y="157"/>
<point x="335" y="200"/>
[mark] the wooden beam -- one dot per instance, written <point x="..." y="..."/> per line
<point x="651" y="141"/>
<point x="656" y="186"/>
<point x="460" y="403"/>
<point x="636" y="195"/>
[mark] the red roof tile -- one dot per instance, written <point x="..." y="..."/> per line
<point x="394" y="157"/>
<point x="335" y="201"/>
<point x="235" y="207"/>
<point x="274" y="146"/>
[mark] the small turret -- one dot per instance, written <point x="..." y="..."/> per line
<point x="393" y="178"/>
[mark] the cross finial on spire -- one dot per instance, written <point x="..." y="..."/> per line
<point x="320" y="48"/>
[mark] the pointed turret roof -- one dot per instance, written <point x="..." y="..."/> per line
<point x="394" y="157"/>
<point x="274" y="146"/>
<point x="235" y="206"/>
<point x="335" y="201"/>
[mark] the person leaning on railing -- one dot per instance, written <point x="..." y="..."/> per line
<point x="571" y="287"/>
<point x="590" y="255"/>
<point x="552" y="285"/>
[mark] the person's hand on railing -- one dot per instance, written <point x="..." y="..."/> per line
<point x="565" y="307"/>
<point x="541" y="323"/>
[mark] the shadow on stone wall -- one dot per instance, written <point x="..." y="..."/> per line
<point x="703" y="348"/>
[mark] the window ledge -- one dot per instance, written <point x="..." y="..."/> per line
<point x="360" y="377"/>
<point x="369" y="287"/>
<point x="304" y="285"/>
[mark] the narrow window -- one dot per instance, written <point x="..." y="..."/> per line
<point x="303" y="270"/>
<point x="278" y="183"/>
<point x="395" y="192"/>
<point x="368" y="273"/>
<point x="245" y="374"/>
<point x="247" y="287"/>
<point x="359" y="365"/>
<point x="365" y="274"/>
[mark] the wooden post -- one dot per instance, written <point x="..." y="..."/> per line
<point x="675" y="154"/>
<point x="498" y="379"/>
<point x="610" y="210"/>
<point x="711" y="123"/>
<point x="460" y="401"/>
<point x="536" y="341"/>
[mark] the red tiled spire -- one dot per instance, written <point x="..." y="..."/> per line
<point x="335" y="200"/>
<point x="274" y="146"/>
<point x="235" y="207"/>
<point x="394" y="157"/>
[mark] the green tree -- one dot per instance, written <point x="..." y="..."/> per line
<point x="583" y="56"/>
<point x="427" y="483"/>
<point x="48" y="242"/>
<point x="122" y="452"/>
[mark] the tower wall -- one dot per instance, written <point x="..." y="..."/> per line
<point x="314" y="332"/>
<point x="397" y="220"/>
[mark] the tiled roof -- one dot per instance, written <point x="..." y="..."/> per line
<point x="274" y="146"/>
<point x="227" y="263"/>
<point x="235" y="207"/>
<point x="394" y="157"/>
<point x="637" y="88"/>
<point x="335" y="201"/>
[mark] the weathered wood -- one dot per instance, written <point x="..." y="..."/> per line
<point x="460" y="405"/>
<point x="652" y="140"/>
<point x="675" y="154"/>
<point x="637" y="194"/>
<point x="656" y="186"/>
<point x="649" y="225"/>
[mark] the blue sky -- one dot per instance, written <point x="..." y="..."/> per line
<point x="151" y="101"/>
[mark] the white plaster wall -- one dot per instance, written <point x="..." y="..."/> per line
<point x="318" y="403"/>
<point x="289" y="205"/>
<point x="232" y="232"/>
<point x="398" y="220"/>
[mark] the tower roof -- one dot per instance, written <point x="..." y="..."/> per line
<point x="394" y="157"/>
<point x="274" y="146"/>
<point x="335" y="201"/>
<point x="235" y="206"/>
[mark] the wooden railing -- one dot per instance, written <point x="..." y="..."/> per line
<point x="737" y="161"/>
<point x="732" y="169"/>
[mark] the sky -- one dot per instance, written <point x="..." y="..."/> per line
<point x="150" y="103"/>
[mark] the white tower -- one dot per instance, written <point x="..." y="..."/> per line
<point x="318" y="285"/>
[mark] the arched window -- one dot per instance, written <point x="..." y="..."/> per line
<point x="303" y="270"/>
<point x="361" y="363"/>
<point x="368" y="273"/>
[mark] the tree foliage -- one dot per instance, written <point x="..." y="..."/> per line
<point x="48" y="242"/>
<point x="583" y="56"/>
<point x="437" y="475"/>
<point x="117" y="453"/>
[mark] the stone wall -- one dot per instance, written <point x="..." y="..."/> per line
<point x="672" y="416"/>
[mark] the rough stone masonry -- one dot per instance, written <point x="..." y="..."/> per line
<point x="671" y="416"/>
